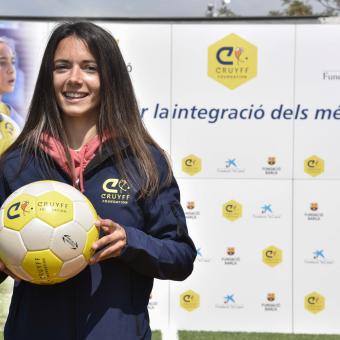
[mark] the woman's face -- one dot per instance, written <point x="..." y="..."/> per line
<point x="76" y="79"/>
<point x="7" y="68"/>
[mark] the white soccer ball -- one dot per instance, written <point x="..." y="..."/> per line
<point x="46" y="232"/>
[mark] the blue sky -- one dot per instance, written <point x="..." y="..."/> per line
<point x="131" y="8"/>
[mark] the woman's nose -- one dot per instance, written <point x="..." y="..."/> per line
<point x="11" y="68"/>
<point x="75" y="75"/>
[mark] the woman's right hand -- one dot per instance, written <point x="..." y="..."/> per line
<point x="4" y="269"/>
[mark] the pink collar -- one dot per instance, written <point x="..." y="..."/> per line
<point x="80" y="159"/>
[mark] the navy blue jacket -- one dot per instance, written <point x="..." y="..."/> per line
<point x="108" y="300"/>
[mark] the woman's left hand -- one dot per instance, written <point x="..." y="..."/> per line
<point x="111" y="244"/>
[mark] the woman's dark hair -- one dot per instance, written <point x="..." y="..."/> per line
<point x="118" y="119"/>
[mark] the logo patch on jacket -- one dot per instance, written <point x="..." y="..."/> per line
<point x="116" y="191"/>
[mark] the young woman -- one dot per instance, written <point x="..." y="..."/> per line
<point x="7" y="79"/>
<point x="84" y="128"/>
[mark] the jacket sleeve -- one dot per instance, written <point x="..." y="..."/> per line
<point x="163" y="248"/>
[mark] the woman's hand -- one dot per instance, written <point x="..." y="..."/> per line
<point x="111" y="244"/>
<point x="4" y="269"/>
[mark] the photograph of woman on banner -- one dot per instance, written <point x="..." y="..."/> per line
<point x="8" y="78"/>
<point x="84" y="105"/>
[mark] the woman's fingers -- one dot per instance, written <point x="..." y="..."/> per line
<point x="4" y="269"/>
<point x="111" y="244"/>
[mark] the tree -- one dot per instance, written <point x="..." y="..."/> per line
<point x="294" y="8"/>
<point x="222" y="11"/>
<point x="332" y="7"/>
<point x="303" y="8"/>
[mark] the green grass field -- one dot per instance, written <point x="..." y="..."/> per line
<point x="186" y="335"/>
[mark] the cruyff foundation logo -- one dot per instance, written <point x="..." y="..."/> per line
<point x="18" y="208"/>
<point x="232" y="61"/>
<point x="314" y="302"/>
<point x="232" y="210"/>
<point x="191" y="164"/>
<point x="272" y="256"/>
<point x="116" y="191"/>
<point x="314" y="166"/>
<point x="189" y="300"/>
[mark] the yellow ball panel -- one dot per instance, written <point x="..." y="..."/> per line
<point x="19" y="212"/>
<point x="43" y="266"/>
<point x="92" y="236"/>
<point x="54" y="209"/>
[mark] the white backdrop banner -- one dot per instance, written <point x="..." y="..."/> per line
<point x="249" y="115"/>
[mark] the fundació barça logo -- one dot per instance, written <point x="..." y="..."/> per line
<point x="271" y="305"/>
<point x="232" y="61"/>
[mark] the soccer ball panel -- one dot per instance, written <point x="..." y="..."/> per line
<point x="19" y="272"/>
<point x="54" y="208"/>
<point x="19" y="211"/>
<point x="12" y="249"/>
<point x="68" y="241"/>
<point x="92" y="236"/>
<point x="73" y="267"/>
<point x="69" y="191"/>
<point x="38" y="188"/>
<point x="42" y="265"/>
<point x="37" y="235"/>
<point x="84" y="215"/>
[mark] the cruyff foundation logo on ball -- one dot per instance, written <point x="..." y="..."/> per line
<point x="314" y="302"/>
<point x="232" y="61"/>
<point x="116" y="191"/>
<point x="314" y="213"/>
<point x="20" y="208"/>
<point x="271" y="305"/>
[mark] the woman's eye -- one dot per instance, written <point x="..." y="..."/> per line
<point x="60" y="67"/>
<point x="91" y="68"/>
